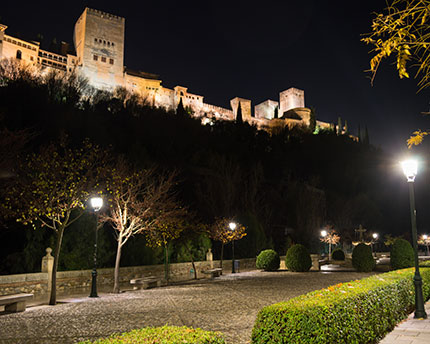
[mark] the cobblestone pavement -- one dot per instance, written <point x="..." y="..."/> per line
<point x="228" y="304"/>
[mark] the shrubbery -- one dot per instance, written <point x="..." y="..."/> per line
<point x="268" y="260"/>
<point x="298" y="258"/>
<point x="402" y="254"/>
<point x="165" y="334"/>
<point x="361" y="311"/>
<point x="338" y="254"/>
<point x="362" y="259"/>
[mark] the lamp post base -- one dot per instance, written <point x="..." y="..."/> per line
<point x="94" y="284"/>
<point x="420" y="312"/>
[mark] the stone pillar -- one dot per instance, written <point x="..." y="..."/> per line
<point x="47" y="266"/>
<point x="315" y="262"/>
<point x="209" y="257"/>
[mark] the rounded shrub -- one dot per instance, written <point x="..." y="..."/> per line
<point x="338" y="254"/>
<point x="362" y="259"/>
<point x="298" y="259"/>
<point x="402" y="254"/>
<point x="268" y="260"/>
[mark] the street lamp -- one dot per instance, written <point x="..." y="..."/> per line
<point x="324" y="234"/>
<point x="375" y="237"/>
<point x="410" y="169"/>
<point x="232" y="226"/>
<point x="426" y="241"/>
<point x="96" y="204"/>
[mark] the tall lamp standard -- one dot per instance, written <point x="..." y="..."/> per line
<point x="324" y="233"/>
<point x="410" y="168"/>
<point x="96" y="204"/>
<point x="232" y="226"/>
<point x="375" y="237"/>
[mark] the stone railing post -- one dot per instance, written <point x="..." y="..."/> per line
<point x="210" y="258"/>
<point x="47" y="266"/>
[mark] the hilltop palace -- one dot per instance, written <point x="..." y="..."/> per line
<point x="99" y="45"/>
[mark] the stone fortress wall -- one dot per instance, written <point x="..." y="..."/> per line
<point x="99" y="45"/>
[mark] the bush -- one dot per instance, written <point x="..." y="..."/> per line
<point x="362" y="259"/>
<point x="298" y="259"/>
<point x="402" y="254"/>
<point x="362" y="311"/>
<point x="268" y="260"/>
<point x="338" y="254"/>
<point x="165" y="334"/>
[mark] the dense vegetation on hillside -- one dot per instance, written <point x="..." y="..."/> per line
<point x="292" y="179"/>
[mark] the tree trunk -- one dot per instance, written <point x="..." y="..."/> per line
<point x="116" y="273"/>
<point x="53" y="296"/>
<point x="166" y="264"/>
<point x="222" y="253"/>
<point x="192" y="260"/>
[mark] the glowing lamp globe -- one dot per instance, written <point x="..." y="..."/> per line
<point x="96" y="203"/>
<point x="410" y="169"/>
<point x="375" y="236"/>
<point x="232" y="226"/>
<point x="323" y="233"/>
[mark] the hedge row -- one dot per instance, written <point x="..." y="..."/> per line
<point x="361" y="311"/>
<point x="163" y="335"/>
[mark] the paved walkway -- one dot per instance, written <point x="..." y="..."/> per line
<point x="410" y="331"/>
<point x="228" y="304"/>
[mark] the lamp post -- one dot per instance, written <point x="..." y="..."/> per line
<point x="232" y="226"/>
<point x="96" y="204"/>
<point x="375" y="237"/>
<point x="324" y="234"/>
<point x="426" y="240"/>
<point x="410" y="168"/>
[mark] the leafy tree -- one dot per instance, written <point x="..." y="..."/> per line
<point x="403" y="30"/>
<point x="180" y="110"/>
<point x="239" y="119"/>
<point x="220" y="231"/>
<point x="51" y="187"/>
<point x="163" y="233"/>
<point x="312" y="120"/>
<point x="139" y="201"/>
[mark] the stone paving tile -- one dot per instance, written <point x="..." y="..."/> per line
<point x="228" y="304"/>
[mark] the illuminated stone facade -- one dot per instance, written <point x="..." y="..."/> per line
<point x="99" y="45"/>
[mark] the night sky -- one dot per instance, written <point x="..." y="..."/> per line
<point x="226" y="49"/>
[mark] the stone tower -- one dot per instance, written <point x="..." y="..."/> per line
<point x="291" y="99"/>
<point x="99" y="44"/>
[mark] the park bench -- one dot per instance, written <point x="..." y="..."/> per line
<point x="145" y="282"/>
<point x="15" y="302"/>
<point x="213" y="272"/>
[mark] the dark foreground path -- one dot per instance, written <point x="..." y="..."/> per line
<point x="228" y="304"/>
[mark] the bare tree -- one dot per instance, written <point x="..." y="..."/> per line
<point x="140" y="201"/>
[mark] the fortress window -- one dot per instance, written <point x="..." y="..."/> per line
<point x="95" y="57"/>
<point x="104" y="42"/>
<point x="31" y="58"/>
<point x="103" y="59"/>
<point x="108" y="44"/>
<point x="111" y="61"/>
<point x="19" y="54"/>
<point x="113" y="44"/>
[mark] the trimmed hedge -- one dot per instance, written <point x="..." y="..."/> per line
<point x="362" y="259"/>
<point x="163" y="335"/>
<point x="338" y="254"/>
<point x="298" y="259"/>
<point x="362" y="311"/>
<point x="402" y="254"/>
<point x="268" y="260"/>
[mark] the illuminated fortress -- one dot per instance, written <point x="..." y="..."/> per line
<point x="99" y="45"/>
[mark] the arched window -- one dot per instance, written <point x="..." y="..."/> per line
<point x="19" y="54"/>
